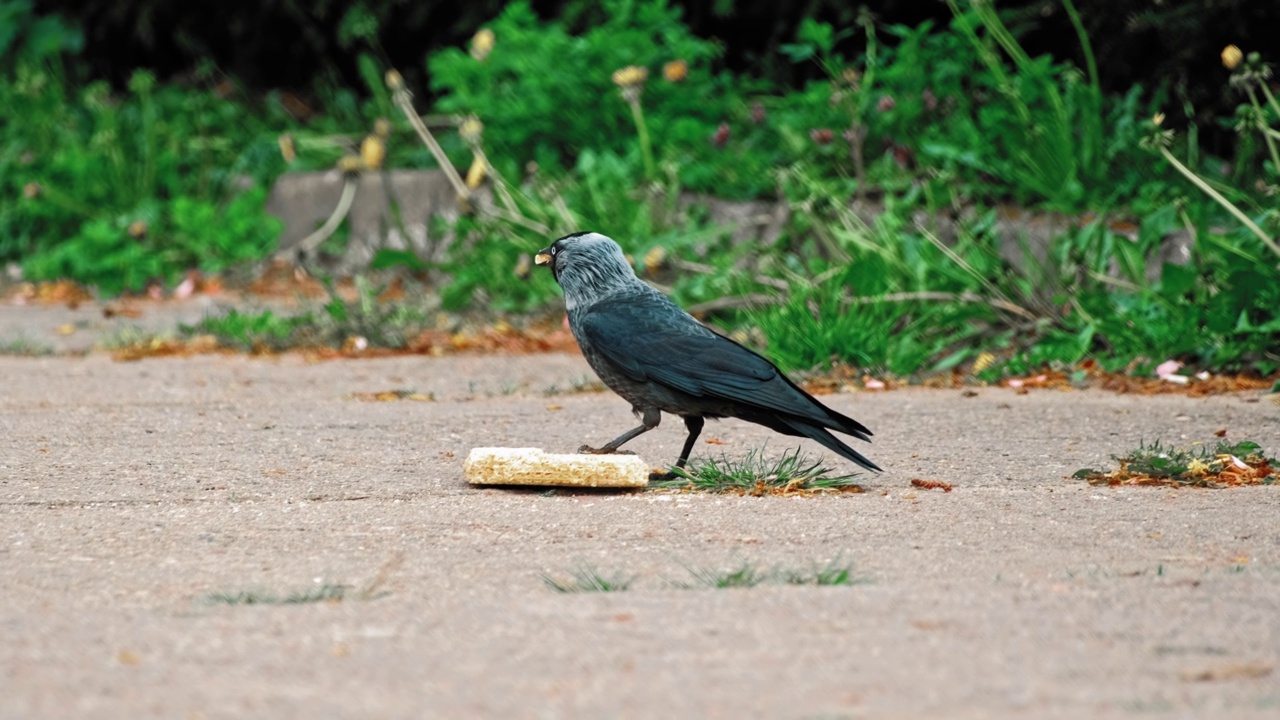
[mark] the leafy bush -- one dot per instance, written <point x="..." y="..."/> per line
<point x="24" y="37"/>
<point x="334" y="324"/>
<point x="119" y="190"/>
<point x="118" y="253"/>
<point x="547" y="96"/>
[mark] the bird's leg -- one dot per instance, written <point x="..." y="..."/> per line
<point x="694" y="423"/>
<point x="648" y="421"/>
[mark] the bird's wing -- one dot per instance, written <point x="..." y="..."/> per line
<point x="651" y="346"/>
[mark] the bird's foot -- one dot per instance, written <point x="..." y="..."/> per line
<point x="588" y="450"/>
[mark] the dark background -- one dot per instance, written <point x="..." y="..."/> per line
<point x="290" y="44"/>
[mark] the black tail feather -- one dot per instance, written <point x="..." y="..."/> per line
<point x="846" y="425"/>
<point x="829" y="441"/>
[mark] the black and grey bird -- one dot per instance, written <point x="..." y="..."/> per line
<point x="660" y="359"/>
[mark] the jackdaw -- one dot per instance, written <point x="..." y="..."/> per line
<point x="660" y="359"/>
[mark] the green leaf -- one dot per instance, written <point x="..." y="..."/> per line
<point x="953" y="359"/>
<point x="1176" y="281"/>
<point x="389" y="258"/>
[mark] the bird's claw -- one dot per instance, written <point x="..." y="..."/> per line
<point x="588" y="450"/>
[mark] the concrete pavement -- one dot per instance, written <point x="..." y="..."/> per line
<point x="130" y="492"/>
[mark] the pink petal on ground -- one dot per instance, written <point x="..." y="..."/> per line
<point x="1167" y="368"/>
<point x="185" y="289"/>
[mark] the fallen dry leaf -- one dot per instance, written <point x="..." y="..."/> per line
<point x="50" y="293"/>
<point x="1231" y="671"/>
<point x="391" y="396"/>
<point x="283" y="280"/>
<point x="126" y="311"/>
<point x="165" y="347"/>
<point x="931" y="484"/>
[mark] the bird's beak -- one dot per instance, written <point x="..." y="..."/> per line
<point x="542" y="258"/>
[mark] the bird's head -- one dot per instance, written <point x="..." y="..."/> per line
<point x="588" y="266"/>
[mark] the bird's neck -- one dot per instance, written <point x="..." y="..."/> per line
<point x="589" y="288"/>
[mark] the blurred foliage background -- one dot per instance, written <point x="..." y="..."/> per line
<point x="271" y="44"/>
<point x="141" y="137"/>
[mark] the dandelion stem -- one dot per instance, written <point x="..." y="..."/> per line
<point x="1085" y="46"/>
<point x="499" y="183"/>
<point x="1262" y="127"/>
<point x="1230" y="207"/>
<point x="1271" y="99"/>
<point x="642" y="131"/>
<point x="315" y="239"/>
<point x="403" y="100"/>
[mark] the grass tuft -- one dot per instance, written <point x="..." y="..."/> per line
<point x="24" y="347"/>
<point x="742" y="576"/>
<point x="1224" y="465"/>
<point x="746" y="575"/>
<point x="588" y="579"/>
<point x="321" y="592"/>
<point x="833" y="573"/>
<point x="326" y="592"/>
<point x="759" y="475"/>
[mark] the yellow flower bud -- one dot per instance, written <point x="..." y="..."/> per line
<point x="675" y="71"/>
<point x="395" y="80"/>
<point x="524" y="267"/>
<point x="655" y="259"/>
<point x="372" y="152"/>
<point x="382" y="128"/>
<point x="471" y="129"/>
<point x="482" y="44"/>
<point x="350" y="164"/>
<point x="138" y="229"/>
<point x="630" y="76"/>
<point x="1231" y="57"/>
<point x="1158" y="119"/>
<point x="287" y="150"/>
<point x="475" y="175"/>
